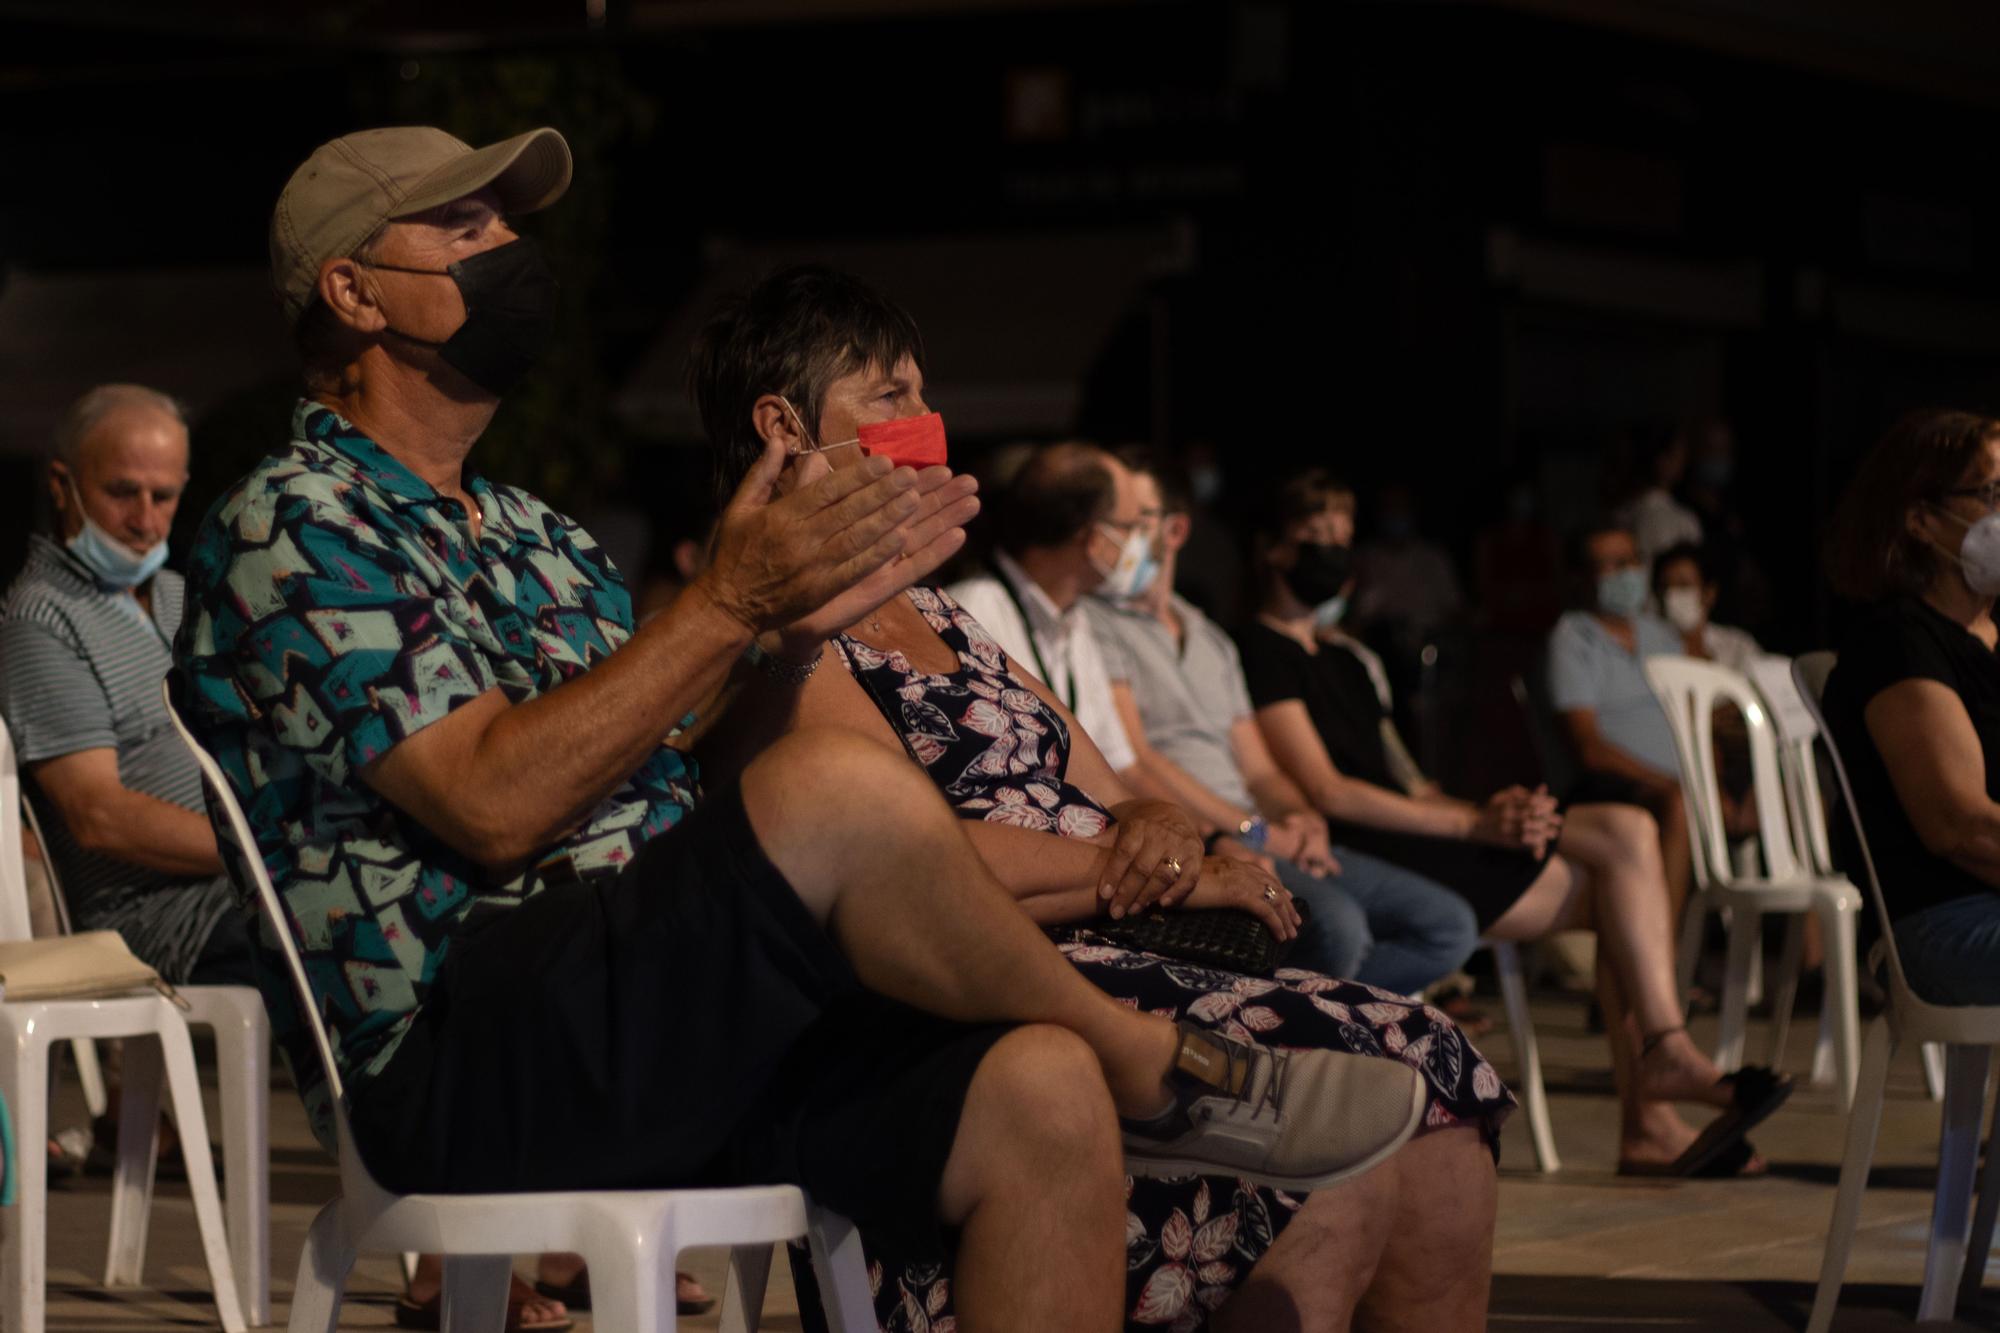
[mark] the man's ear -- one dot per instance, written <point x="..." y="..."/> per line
<point x="351" y="295"/>
<point x="774" y="419"/>
<point x="1174" y="530"/>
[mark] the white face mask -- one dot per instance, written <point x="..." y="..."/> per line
<point x="1683" y="607"/>
<point x="1135" y="570"/>
<point x="1978" y="553"/>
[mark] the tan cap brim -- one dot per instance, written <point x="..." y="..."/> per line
<point x="528" y="172"/>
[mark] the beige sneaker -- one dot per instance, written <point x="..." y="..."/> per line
<point x="1294" y="1120"/>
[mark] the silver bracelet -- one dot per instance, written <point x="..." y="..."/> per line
<point x="777" y="668"/>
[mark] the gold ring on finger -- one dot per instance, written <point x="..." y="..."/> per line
<point x="1270" y="894"/>
<point x="1173" y="864"/>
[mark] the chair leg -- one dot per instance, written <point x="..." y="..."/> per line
<point x="24" y="1083"/>
<point x="475" y="1292"/>
<point x="1841" y="998"/>
<point x="841" y="1271"/>
<point x="91" y="1075"/>
<point x="1933" y="1057"/>
<point x="324" y="1263"/>
<point x="1958" y="1155"/>
<point x="243" y="1045"/>
<point x="632" y="1277"/>
<point x="1785" y="988"/>
<point x="1864" y="1122"/>
<point x="1744" y="939"/>
<point x="1980" y="1243"/>
<point x="1693" y="919"/>
<point x="1528" y="1054"/>
<point x="743" y="1291"/>
<point x="138" y="1154"/>
<point x="185" y="1088"/>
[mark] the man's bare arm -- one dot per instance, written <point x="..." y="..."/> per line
<point x="107" y="817"/>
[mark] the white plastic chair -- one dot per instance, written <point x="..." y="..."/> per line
<point x="1955" y="1260"/>
<point x="89" y="1072"/>
<point x="1689" y="690"/>
<point x="243" y="1074"/>
<point x="27" y="1028"/>
<point x="630" y="1238"/>
<point x="1527" y="1053"/>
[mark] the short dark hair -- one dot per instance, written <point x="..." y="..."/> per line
<point x="1298" y="496"/>
<point x="1704" y="559"/>
<point x="1870" y="552"/>
<point x="1055" y="494"/>
<point x="1167" y="472"/>
<point x="794" y="333"/>
<point x="1577" y="550"/>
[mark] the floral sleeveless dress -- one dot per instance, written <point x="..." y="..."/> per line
<point x="999" y="753"/>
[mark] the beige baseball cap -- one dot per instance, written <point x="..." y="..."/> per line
<point x="348" y="188"/>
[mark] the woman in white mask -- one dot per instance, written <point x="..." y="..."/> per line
<point x="1687" y="594"/>
<point x="1914" y="703"/>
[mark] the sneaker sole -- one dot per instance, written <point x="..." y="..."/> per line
<point x="1169" y="1167"/>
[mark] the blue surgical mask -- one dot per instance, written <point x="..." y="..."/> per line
<point x="1622" y="592"/>
<point x="1330" y="612"/>
<point x="110" y="561"/>
<point x="1136" y="569"/>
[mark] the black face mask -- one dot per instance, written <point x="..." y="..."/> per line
<point x="1318" y="574"/>
<point x="510" y="296"/>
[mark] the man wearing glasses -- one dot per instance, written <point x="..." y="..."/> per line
<point x="1068" y="523"/>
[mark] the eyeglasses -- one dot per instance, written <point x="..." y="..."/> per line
<point x="1988" y="495"/>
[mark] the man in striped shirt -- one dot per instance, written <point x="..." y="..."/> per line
<point x="85" y="639"/>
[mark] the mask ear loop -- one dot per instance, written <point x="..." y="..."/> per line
<point x="811" y="448"/>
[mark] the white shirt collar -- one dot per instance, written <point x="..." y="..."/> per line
<point x="1044" y="616"/>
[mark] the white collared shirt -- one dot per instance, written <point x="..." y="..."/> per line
<point x="1055" y="644"/>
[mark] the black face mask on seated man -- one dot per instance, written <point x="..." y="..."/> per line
<point x="510" y="296"/>
<point x="1319" y="572"/>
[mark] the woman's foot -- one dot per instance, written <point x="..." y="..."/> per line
<point x="564" y="1277"/>
<point x="1659" y="1138"/>
<point x="1673" y="1069"/>
<point x="421" y="1306"/>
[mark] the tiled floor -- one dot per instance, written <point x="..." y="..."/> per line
<point x="1577" y="1251"/>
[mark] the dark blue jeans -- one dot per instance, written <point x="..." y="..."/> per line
<point x="1380" y="924"/>
<point x="1951" y="952"/>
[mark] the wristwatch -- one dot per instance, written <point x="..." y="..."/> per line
<point x="1253" y="832"/>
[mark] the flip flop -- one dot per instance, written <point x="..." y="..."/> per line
<point x="1755" y="1091"/>
<point x="430" y="1315"/>
<point x="1733" y="1163"/>
<point x="576" y="1294"/>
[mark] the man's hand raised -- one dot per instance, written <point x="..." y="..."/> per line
<point x="825" y="552"/>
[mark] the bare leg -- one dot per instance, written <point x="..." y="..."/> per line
<point x="867" y="843"/>
<point x="1608" y="878"/>
<point x="1036" y="1182"/>
<point x="1334" y="1265"/>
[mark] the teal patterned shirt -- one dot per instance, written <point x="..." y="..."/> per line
<point x="337" y="604"/>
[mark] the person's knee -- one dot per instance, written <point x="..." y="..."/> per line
<point x="1336" y="940"/>
<point x="1045" y="1089"/>
<point x="818" y="778"/>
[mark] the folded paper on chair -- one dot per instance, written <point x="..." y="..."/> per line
<point x="75" y="967"/>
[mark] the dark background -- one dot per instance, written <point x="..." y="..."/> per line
<point x="1446" y="244"/>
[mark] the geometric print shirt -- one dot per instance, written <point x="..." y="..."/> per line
<point x="337" y="604"/>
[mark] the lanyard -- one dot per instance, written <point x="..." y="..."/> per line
<point x="1041" y="668"/>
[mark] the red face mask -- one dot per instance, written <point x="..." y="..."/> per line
<point x="916" y="442"/>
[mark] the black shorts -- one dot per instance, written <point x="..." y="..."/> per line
<point x="685" y="1023"/>
<point x="1490" y="879"/>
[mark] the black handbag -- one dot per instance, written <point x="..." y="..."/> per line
<point x="1223" y="938"/>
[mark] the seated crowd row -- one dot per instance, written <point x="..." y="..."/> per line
<point x="809" y="877"/>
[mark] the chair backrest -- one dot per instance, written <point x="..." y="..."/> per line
<point x="61" y="904"/>
<point x="15" y="923"/>
<point x="1810" y="671"/>
<point x="246" y="863"/>
<point x="1551" y="748"/>
<point x="1798" y="757"/>
<point x="1688" y="690"/>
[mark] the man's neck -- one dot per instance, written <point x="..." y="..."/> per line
<point x="428" y="432"/>
<point x="1158" y="601"/>
<point x="1054" y="570"/>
